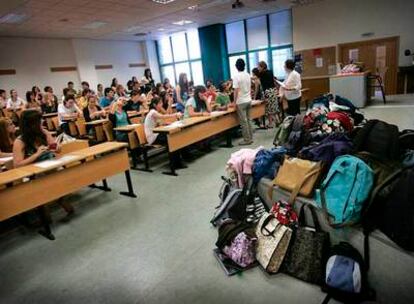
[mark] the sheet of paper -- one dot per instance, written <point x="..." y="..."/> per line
<point x="217" y="113"/>
<point x="48" y="163"/>
<point x="319" y="62"/>
<point x="67" y="158"/>
<point x="6" y="159"/>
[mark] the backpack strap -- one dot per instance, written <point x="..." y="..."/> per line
<point x="327" y="299"/>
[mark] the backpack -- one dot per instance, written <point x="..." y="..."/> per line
<point x="392" y="209"/>
<point x="406" y="140"/>
<point x="283" y="131"/>
<point x="345" y="189"/>
<point x="233" y="201"/>
<point x="328" y="149"/>
<point x="295" y="140"/>
<point x="346" y="276"/>
<point x="267" y="162"/>
<point x="378" y="138"/>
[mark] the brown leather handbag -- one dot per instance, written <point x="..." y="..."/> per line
<point x="298" y="176"/>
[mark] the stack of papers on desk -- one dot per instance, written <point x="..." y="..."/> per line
<point x="217" y="113"/>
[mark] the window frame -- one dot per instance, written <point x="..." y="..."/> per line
<point x="269" y="47"/>
<point x="173" y="63"/>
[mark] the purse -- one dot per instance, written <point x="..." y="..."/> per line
<point x="298" y="176"/>
<point x="284" y="213"/>
<point x="272" y="242"/>
<point x="305" y="258"/>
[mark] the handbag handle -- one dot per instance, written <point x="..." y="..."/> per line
<point x="264" y="224"/>
<point x="302" y="217"/>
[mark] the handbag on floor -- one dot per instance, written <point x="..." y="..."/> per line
<point x="308" y="249"/>
<point x="298" y="176"/>
<point x="272" y="242"/>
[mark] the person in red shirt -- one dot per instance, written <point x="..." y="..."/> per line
<point x="211" y="91"/>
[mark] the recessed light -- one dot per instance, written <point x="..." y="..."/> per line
<point x="193" y="7"/>
<point x="13" y="18"/>
<point x="182" y="22"/>
<point x="163" y="1"/>
<point x="94" y="25"/>
<point x="161" y="29"/>
<point x="132" y="28"/>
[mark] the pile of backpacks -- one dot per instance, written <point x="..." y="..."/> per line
<point x="359" y="173"/>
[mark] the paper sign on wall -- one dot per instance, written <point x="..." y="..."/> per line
<point x="353" y="55"/>
<point x="319" y="62"/>
<point x="381" y="56"/>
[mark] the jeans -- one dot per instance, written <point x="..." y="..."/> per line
<point x="243" y="111"/>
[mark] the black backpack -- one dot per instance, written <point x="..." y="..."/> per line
<point x="393" y="210"/>
<point x="378" y="138"/>
<point x="346" y="276"/>
<point x="406" y="140"/>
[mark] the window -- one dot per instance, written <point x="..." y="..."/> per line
<point x="164" y="46"/>
<point x="232" y="63"/>
<point x="279" y="56"/>
<point x="281" y="28"/>
<point x="257" y="33"/>
<point x="235" y="37"/>
<point x="265" y="38"/>
<point x="180" y="53"/>
<point x="256" y="57"/>
<point x="179" y="47"/>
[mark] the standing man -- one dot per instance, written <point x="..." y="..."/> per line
<point x="243" y="101"/>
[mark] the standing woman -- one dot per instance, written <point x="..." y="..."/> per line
<point x="147" y="81"/>
<point x="7" y="136"/>
<point x="292" y="87"/>
<point x="270" y="94"/>
<point x="182" y="92"/>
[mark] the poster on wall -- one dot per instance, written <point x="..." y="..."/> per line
<point x="319" y="62"/>
<point x="353" y="55"/>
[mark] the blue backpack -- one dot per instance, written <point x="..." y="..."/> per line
<point x="345" y="189"/>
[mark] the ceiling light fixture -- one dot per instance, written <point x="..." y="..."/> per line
<point x="163" y="1"/>
<point x="182" y="22"/>
<point x="13" y="18"/>
<point x="161" y="29"/>
<point x="132" y="28"/>
<point x="94" y="25"/>
<point x="193" y="7"/>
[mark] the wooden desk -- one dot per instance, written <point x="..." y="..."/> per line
<point x="137" y="117"/>
<point x="108" y="159"/>
<point x="72" y="126"/>
<point x="49" y="120"/>
<point x="195" y="129"/>
<point x="132" y="137"/>
<point x="98" y="126"/>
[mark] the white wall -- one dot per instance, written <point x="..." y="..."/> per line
<point x="32" y="59"/>
<point x="329" y="22"/>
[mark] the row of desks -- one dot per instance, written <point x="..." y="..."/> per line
<point x="31" y="186"/>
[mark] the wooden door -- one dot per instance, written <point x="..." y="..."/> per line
<point x="378" y="54"/>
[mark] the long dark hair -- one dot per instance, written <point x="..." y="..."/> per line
<point x="5" y="145"/>
<point x="31" y="129"/>
<point x="183" y="84"/>
<point x="200" y="104"/>
<point x="114" y="82"/>
<point x="154" y="101"/>
<point x="148" y="74"/>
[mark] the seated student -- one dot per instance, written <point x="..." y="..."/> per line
<point x="66" y="111"/>
<point x="211" y="91"/>
<point x="100" y="91"/>
<point x="223" y="98"/>
<point x="7" y="136"/>
<point x="93" y="111"/>
<point x="105" y="102"/>
<point x="83" y="100"/>
<point x="50" y="102"/>
<point x="114" y="84"/>
<point x="69" y="90"/>
<point x="167" y="102"/>
<point x="3" y="101"/>
<point x="120" y="91"/>
<point x="35" y="144"/>
<point x="31" y="102"/>
<point x="119" y="118"/>
<point x="158" y="89"/>
<point x="85" y="85"/>
<point x="38" y="94"/>
<point x="153" y="120"/>
<point x="134" y="103"/>
<point x="198" y="105"/>
<point x="14" y="103"/>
